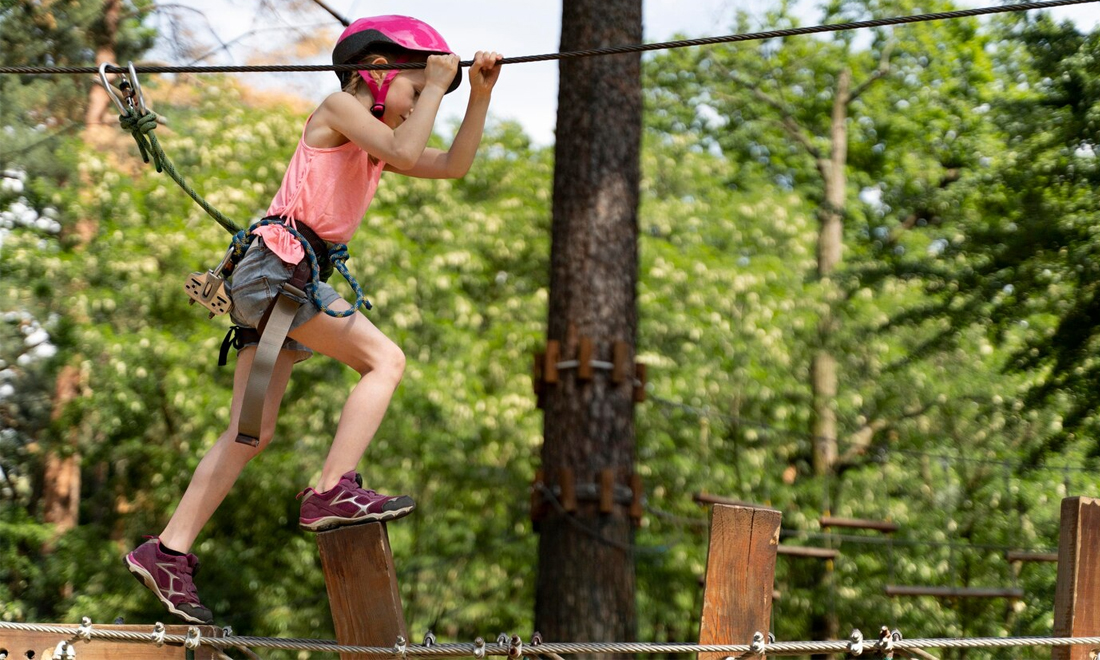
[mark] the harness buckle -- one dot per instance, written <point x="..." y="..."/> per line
<point x="209" y="288"/>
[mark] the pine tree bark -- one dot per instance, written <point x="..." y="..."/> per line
<point x="61" y="475"/>
<point x="586" y="581"/>
<point x="105" y="37"/>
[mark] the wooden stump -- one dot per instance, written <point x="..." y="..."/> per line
<point x="362" y="587"/>
<point x="737" y="594"/>
<point x="1077" y="596"/>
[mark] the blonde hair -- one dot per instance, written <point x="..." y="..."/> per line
<point x="356" y="82"/>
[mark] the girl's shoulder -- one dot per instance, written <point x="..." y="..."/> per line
<point x="322" y="128"/>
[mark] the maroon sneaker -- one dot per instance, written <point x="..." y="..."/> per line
<point x="170" y="578"/>
<point x="348" y="503"/>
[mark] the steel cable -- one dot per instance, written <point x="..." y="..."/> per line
<point x="611" y="50"/>
<point x="559" y="648"/>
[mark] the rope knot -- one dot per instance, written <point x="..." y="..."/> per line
<point x="193" y="639"/>
<point x="141" y="128"/>
<point x="84" y="632"/>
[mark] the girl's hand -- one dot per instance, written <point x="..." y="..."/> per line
<point x="441" y="70"/>
<point x="484" y="72"/>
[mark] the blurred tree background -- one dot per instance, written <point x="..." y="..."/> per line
<point x="959" y="317"/>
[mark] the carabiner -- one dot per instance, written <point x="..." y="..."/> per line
<point x="136" y="90"/>
<point x="111" y="90"/>
<point x="129" y="86"/>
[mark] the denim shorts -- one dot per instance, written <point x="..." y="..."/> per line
<point x="255" y="283"/>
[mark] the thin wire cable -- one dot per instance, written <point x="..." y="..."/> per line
<point x="889" y="541"/>
<point x="612" y="50"/>
<point x="749" y="422"/>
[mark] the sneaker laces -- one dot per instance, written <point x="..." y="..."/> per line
<point x="193" y="564"/>
<point x="310" y="491"/>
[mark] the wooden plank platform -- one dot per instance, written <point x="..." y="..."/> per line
<point x="20" y="644"/>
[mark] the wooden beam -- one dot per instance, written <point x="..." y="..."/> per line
<point x="1077" y="595"/>
<point x="19" y="644"/>
<point x="1020" y="555"/>
<point x="859" y="523"/>
<point x="362" y="587"/>
<point x="809" y="552"/>
<point x="954" y="592"/>
<point x="707" y="498"/>
<point x="739" y="584"/>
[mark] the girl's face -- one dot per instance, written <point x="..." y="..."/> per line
<point x="401" y="98"/>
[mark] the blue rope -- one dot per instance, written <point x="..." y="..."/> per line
<point x="337" y="255"/>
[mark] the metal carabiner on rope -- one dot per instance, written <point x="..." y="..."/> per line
<point x="130" y="87"/>
<point x="135" y="92"/>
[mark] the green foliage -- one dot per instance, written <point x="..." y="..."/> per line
<point x="1015" y="252"/>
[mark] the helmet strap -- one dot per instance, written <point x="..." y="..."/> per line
<point x="380" y="90"/>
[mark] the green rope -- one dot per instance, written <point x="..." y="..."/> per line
<point x="141" y="127"/>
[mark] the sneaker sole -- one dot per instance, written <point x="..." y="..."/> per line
<point x="145" y="578"/>
<point x="332" y="522"/>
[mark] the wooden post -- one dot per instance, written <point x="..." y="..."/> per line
<point x="1077" y="596"/>
<point x="20" y="644"/>
<point x="362" y="587"/>
<point x="737" y="593"/>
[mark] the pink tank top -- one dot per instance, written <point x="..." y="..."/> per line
<point x="329" y="189"/>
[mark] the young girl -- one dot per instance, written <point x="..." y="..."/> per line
<point x="380" y="121"/>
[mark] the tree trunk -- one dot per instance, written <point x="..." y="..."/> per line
<point x="830" y="243"/>
<point x="98" y="101"/>
<point x="61" y="478"/>
<point x="823" y="370"/>
<point x="585" y="589"/>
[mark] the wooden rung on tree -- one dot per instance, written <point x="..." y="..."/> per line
<point x="739" y="584"/>
<point x="585" y="351"/>
<point x="362" y="587"/>
<point x="859" y="523"/>
<point x="548" y="365"/>
<point x="568" y="495"/>
<point x="955" y="592"/>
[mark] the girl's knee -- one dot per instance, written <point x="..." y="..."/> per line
<point x="390" y="361"/>
<point x="393" y="362"/>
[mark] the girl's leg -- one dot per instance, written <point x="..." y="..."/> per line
<point x="356" y="342"/>
<point x="220" y="467"/>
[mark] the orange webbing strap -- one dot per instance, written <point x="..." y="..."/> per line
<point x="281" y="315"/>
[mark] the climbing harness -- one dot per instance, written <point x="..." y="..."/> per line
<point x="210" y="288"/>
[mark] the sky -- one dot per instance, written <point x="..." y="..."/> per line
<point x="526" y="92"/>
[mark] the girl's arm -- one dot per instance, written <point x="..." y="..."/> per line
<point x="404" y="145"/>
<point x="456" y="161"/>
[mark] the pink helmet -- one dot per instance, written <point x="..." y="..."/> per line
<point x="400" y="33"/>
